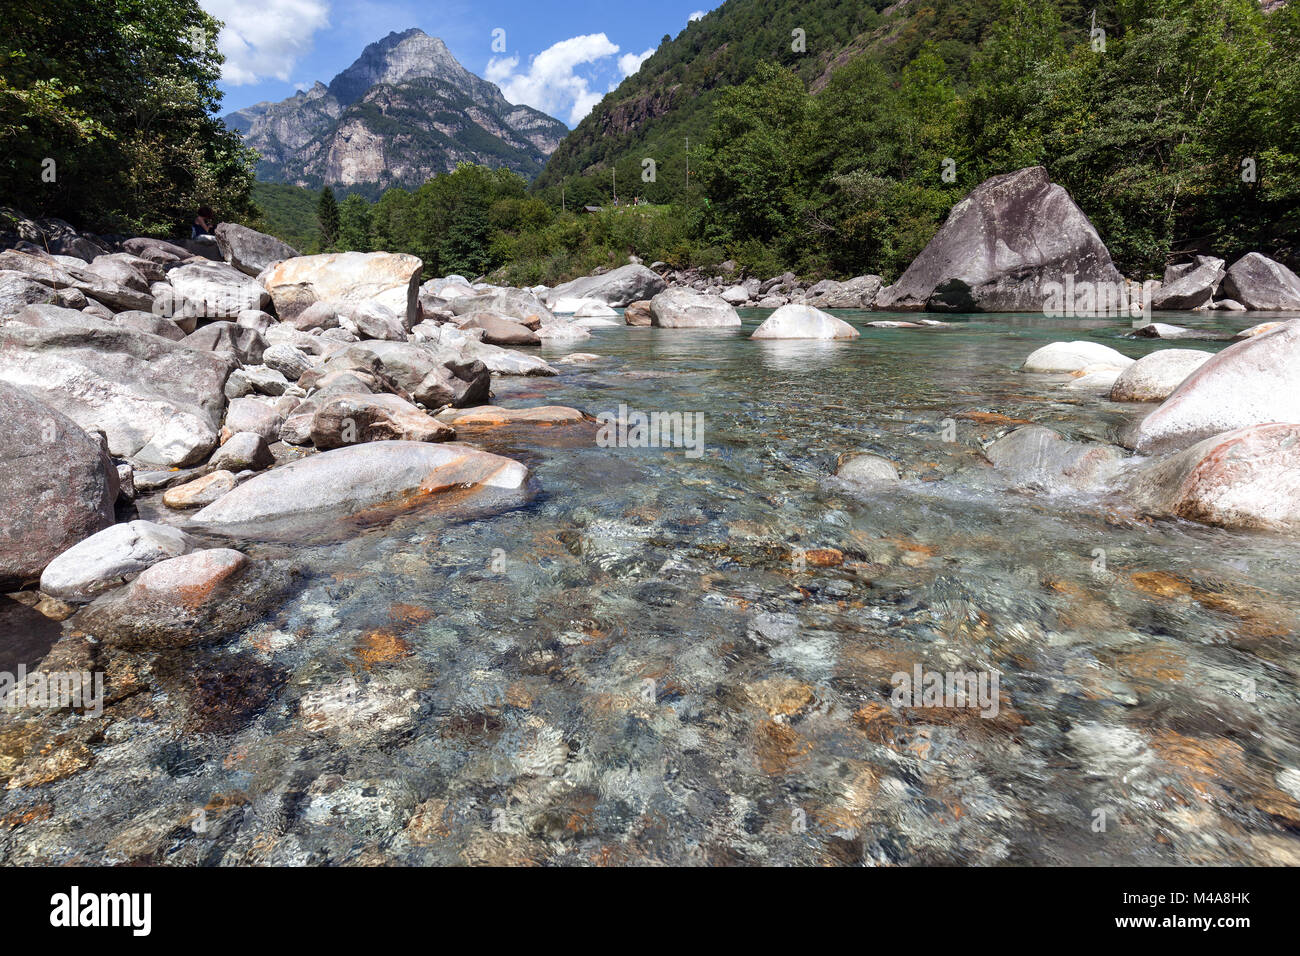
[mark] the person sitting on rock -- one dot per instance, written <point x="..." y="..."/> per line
<point x="204" y="223"/>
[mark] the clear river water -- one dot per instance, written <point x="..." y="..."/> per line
<point x="665" y="658"/>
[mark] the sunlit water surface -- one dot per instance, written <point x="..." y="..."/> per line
<point x="637" y="668"/>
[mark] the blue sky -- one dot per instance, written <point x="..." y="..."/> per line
<point x="560" y="56"/>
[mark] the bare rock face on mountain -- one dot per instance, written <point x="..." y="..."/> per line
<point x="405" y="110"/>
<point x="1000" y="248"/>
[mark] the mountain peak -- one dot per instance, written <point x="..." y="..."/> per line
<point x="398" y="58"/>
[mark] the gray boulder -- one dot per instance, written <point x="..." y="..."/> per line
<point x="499" y="330"/>
<point x="803" y="322"/>
<point x="158" y="402"/>
<point x="352" y="419"/>
<point x="1259" y="283"/>
<point x="1250" y="382"/>
<point x="243" y="451"/>
<point x="106" y="559"/>
<point x="210" y="290"/>
<point x="239" y="342"/>
<point x="57" y="486"/>
<point x="1037" y="458"/>
<point x="1192" y="290"/>
<point x="616" y="288"/>
<point x="251" y="251"/>
<point x="1153" y="377"/>
<point x="688" y="309"/>
<point x="1000" y="248"/>
<point x="149" y="323"/>
<point x="347" y="480"/>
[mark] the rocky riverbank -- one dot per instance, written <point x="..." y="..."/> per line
<point x="183" y="424"/>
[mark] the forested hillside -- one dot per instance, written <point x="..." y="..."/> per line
<point x="1174" y="123"/>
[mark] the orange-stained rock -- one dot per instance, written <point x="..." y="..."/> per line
<point x="190" y="579"/>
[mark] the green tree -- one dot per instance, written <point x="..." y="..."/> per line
<point x="108" y="114"/>
<point x="327" y="213"/>
<point x="354" y="224"/>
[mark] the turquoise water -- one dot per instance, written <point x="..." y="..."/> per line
<point x="637" y="668"/>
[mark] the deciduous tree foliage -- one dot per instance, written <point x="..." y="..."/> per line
<point x="122" y="96"/>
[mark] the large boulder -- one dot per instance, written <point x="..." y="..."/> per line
<point x="353" y="278"/>
<point x="803" y="322"/>
<point x="856" y="293"/>
<point x="638" y="314"/>
<point x="108" y="558"/>
<point x="57" y="486"/>
<point x="373" y="320"/>
<point x="1000" y="249"/>
<point x="1153" y="377"/>
<point x="18" y="291"/>
<point x="1193" y="289"/>
<point x="358" y="477"/>
<point x="240" y="343"/>
<point x="1259" y="283"/>
<point x="155" y="250"/>
<point x="1245" y="478"/>
<point x="63" y="275"/>
<point x="501" y="361"/>
<point x="688" y="309"/>
<point x="1250" y="382"/>
<point x="518" y="304"/>
<point x="210" y="290"/>
<point x="1074" y="357"/>
<point x="251" y="251"/>
<point x="616" y="288"/>
<point x="355" y="419"/>
<point x="499" y="330"/>
<point x="158" y="402"/>
<point x="150" y="323"/>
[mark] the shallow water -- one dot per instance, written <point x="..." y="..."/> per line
<point x="636" y="667"/>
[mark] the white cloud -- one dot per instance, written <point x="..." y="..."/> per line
<point x="629" y="63"/>
<point x="265" y="38"/>
<point x="551" y="84"/>
<point x="697" y="15"/>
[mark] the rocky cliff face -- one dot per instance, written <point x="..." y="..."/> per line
<point x="405" y="110"/>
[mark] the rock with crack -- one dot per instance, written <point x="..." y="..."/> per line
<point x="1004" y="248"/>
<point x="157" y="402"/>
<point x="351" y="419"/>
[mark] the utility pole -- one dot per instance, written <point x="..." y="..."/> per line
<point x="562" y="196"/>
<point x="688" y="162"/>
<point x="613" y="178"/>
